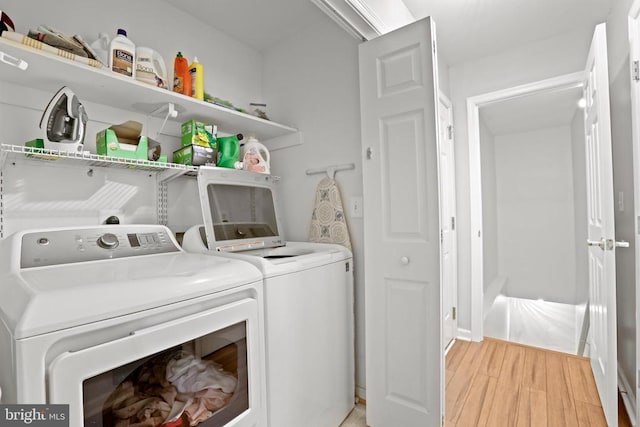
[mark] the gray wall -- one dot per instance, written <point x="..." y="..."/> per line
<point x="312" y="80"/>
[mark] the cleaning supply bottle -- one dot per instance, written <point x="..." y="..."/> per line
<point x="122" y="55"/>
<point x="255" y="157"/>
<point x="229" y="151"/>
<point x="181" y="76"/>
<point x="197" y="79"/>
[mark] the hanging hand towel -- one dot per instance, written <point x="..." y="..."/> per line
<point x="328" y="223"/>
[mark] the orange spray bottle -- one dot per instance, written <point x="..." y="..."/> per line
<point x="181" y="76"/>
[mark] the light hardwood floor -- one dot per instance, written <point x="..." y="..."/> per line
<point x="498" y="383"/>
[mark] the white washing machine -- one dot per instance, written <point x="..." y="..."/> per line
<point x="309" y="314"/>
<point x="86" y="314"/>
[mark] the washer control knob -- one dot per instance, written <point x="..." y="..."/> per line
<point x="108" y="241"/>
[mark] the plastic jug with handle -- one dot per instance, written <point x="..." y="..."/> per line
<point x="255" y="157"/>
<point x="150" y="68"/>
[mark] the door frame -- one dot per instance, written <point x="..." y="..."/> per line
<point x="442" y="97"/>
<point x="633" y="405"/>
<point x="566" y="81"/>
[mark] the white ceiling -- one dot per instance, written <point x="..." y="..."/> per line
<point x="469" y="29"/>
<point x="258" y="23"/>
<point x="526" y="113"/>
<point x="466" y="28"/>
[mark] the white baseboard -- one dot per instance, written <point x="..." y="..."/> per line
<point x="361" y="393"/>
<point x="464" y="334"/>
<point x="628" y="395"/>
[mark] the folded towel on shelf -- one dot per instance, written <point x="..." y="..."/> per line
<point x="328" y="222"/>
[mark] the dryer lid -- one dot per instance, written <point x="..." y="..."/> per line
<point x="239" y="209"/>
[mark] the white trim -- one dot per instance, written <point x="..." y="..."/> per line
<point x="628" y="395"/>
<point x="361" y="393"/>
<point x="464" y="334"/>
<point x="348" y="18"/>
<point x="474" y="103"/>
<point x="368" y="15"/>
<point x="634" y="55"/>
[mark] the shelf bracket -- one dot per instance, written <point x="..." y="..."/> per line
<point x="170" y="107"/>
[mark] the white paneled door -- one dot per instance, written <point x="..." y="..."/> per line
<point x="448" y="263"/>
<point x="601" y="241"/>
<point x="399" y="113"/>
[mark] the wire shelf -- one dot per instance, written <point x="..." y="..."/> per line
<point x="168" y="170"/>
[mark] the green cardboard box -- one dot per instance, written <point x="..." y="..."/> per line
<point x="195" y="155"/>
<point x="198" y="133"/>
<point x="124" y="141"/>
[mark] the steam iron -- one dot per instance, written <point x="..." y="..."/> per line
<point x="64" y="122"/>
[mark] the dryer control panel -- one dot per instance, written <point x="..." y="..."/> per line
<point x="54" y="247"/>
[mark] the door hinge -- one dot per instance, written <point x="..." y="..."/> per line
<point x="443" y="421"/>
<point x="453" y="313"/>
<point x="347" y="267"/>
<point x="441" y="236"/>
<point x="453" y="223"/>
<point x="450" y="130"/>
<point x="434" y="47"/>
<point x="636" y="70"/>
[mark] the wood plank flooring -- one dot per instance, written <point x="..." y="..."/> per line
<point x="498" y="383"/>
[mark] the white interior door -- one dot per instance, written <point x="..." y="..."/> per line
<point x="398" y="100"/>
<point x="448" y="256"/>
<point x="634" y="58"/>
<point x="600" y="203"/>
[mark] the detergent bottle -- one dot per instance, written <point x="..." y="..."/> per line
<point x="255" y="156"/>
<point x="229" y="151"/>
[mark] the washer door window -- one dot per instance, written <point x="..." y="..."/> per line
<point x="175" y="374"/>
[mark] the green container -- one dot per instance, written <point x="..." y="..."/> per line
<point x="229" y="148"/>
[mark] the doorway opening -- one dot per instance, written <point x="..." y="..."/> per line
<point x="529" y="272"/>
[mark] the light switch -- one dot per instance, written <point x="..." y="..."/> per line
<point x="355" y="206"/>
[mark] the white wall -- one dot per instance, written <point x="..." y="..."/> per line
<point x="312" y="80"/>
<point x="580" y="206"/>
<point x="489" y="206"/>
<point x="535" y="209"/>
<point x="620" y="98"/>
<point x="532" y="62"/>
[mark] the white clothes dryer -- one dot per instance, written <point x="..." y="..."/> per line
<point x="309" y="312"/>
<point x="93" y="317"/>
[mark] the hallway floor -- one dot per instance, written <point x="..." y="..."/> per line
<point x="498" y="383"/>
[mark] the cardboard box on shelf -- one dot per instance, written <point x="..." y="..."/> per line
<point x="195" y="155"/>
<point x="198" y="133"/>
<point x="125" y="141"/>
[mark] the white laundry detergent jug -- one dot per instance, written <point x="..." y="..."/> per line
<point x="150" y="67"/>
<point x="255" y="157"/>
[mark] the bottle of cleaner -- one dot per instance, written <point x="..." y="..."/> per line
<point x="229" y="151"/>
<point x="255" y="157"/>
<point x="181" y="76"/>
<point x="122" y="55"/>
<point x="197" y="79"/>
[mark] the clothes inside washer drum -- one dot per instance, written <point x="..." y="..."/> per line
<point x="328" y="222"/>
